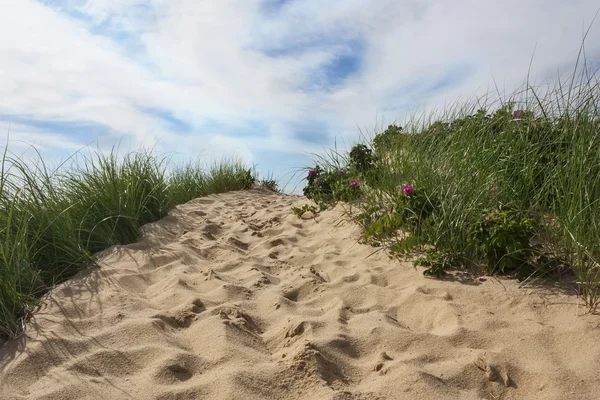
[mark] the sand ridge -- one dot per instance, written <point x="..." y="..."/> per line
<point x="231" y="296"/>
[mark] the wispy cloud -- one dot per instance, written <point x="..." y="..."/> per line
<point x="262" y="77"/>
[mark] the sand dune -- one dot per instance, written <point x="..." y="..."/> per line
<point x="232" y="297"/>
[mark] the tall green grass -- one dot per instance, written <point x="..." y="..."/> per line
<point x="53" y="221"/>
<point x="543" y="160"/>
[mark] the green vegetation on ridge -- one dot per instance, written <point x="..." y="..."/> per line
<point x="51" y="223"/>
<point x="512" y="188"/>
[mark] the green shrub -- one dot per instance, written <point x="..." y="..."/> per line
<point x="402" y="228"/>
<point x="327" y="186"/>
<point x="503" y="236"/>
<point x="387" y="138"/>
<point x="361" y="158"/>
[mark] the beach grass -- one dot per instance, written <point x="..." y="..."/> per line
<point x="52" y="221"/>
<point x="508" y="184"/>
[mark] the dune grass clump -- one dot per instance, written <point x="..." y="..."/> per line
<point x="511" y="186"/>
<point x="52" y="222"/>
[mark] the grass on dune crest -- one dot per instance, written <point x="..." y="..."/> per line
<point x="52" y="222"/>
<point x="510" y="186"/>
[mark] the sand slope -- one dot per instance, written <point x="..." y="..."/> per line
<point x="232" y="297"/>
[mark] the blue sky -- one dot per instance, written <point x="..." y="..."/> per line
<point x="269" y="81"/>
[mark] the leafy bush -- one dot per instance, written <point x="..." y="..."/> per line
<point x="361" y="158"/>
<point x="318" y="185"/>
<point x="401" y="229"/>
<point x="385" y="139"/>
<point x="503" y="236"/>
<point x="332" y="185"/>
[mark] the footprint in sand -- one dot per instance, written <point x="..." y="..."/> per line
<point x="182" y="318"/>
<point x="237" y="243"/>
<point x="380" y="365"/>
<point x="236" y="317"/>
<point x="177" y="369"/>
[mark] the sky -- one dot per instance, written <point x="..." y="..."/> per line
<point x="268" y="81"/>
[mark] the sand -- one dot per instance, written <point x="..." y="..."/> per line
<point x="232" y="297"/>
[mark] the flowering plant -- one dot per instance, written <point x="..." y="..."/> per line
<point x="415" y="208"/>
<point x="331" y="185"/>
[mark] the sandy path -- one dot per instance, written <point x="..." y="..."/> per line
<point x="232" y="297"/>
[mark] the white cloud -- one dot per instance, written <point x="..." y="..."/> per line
<point x="233" y="63"/>
<point x="22" y="137"/>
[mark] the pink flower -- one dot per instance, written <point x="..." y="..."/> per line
<point x="317" y="181"/>
<point x="354" y="183"/>
<point x="517" y="114"/>
<point x="407" y="190"/>
<point x="341" y="172"/>
<point x="311" y="172"/>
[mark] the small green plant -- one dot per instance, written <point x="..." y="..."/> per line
<point x="384" y="228"/>
<point x="370" y="214"/>
<point x="437" y="262"/>
<point x="299" y="211"/>
<point x="270" y="184"/>
<point x="248" y="179"/>
<point x="404" y="245"/>
<point x="503" y="236"/>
